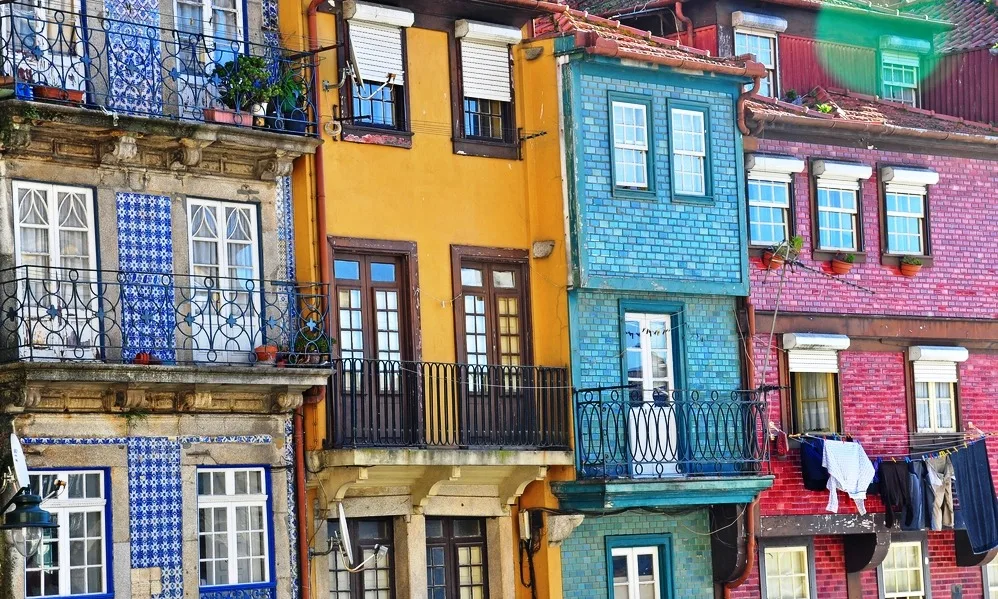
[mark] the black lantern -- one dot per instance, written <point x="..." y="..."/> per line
<point x="27" y="522"/>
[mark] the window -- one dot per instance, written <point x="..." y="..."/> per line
<point x="376" y="39"/>
<point x="905" y="223"/>
<point x="491" y="311"/>
<point x="73" y="559"/>
<point x="649" y="351"/>
<point x="762" y="45"/>
<point x="635" y="573"/>
<point x="817" y="402"/>
<point x="901" y="573"/>
<point x="48" y="26"/>
<point x="456" y="559"/>
<point x="375" y="581"/>
<point x="787" y="572"/>
<point x="769" y="211"/>
<point x="486" y="89"/>
<point x="991" y="580"/>
<point x="370" y="297"/>
<point x="689" y="152"/>
<point x="813" y="364"/>
<point x="630" y="145"/>
<point x="935" y="378"/>
<point x="204" y="27"/>
<point x="837" y="219"/>
<point x="233" y="526"/>
<point x="54" y="228"/>
<point x="935" y="407"/>
<point x="900" y="77"/>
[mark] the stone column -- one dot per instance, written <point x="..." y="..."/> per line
<point x="410" y="556"/>
<point x="501" y="548"/>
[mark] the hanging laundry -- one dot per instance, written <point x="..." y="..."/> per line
<point x="917" y="515"/>
<point x="941" y="479"/>
<point x="895" y="490"/>
<point x="812" y="452"/>
<point x="849" y="469"/>
<point x="976" y="490"/>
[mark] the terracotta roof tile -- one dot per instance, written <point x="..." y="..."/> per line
<point x="975" y="25"/>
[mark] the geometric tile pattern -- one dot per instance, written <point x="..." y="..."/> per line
<point x="269" y="9"/>
<point x="289" y="462"/>
<point x="156" y="504"/>
<point x="284" y="207"/>
<point x="145" y="252"/>
<point x="135" y="76"/>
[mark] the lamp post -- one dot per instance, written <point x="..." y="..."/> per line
<point x="26" y="524"/>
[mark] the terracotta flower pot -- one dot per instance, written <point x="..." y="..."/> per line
<point x="57" y="94"/>
<point x="228" y="117"/>
<point x="841" y="267"/>
<point x="143" y="358"/>
<point x="772" y="260"/>
<point x="910" y="270"/>
<point x="266" y="354"/>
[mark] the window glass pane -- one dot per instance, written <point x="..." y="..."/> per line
<point x="503" y="279"/>
<point x="434" y="528"/>
<point x="816" y="401"/>
<point x="471" y="277"/>
<point x="467" y="528"/>
<point x="382" y="272"/>
<point x="347" y="269"/>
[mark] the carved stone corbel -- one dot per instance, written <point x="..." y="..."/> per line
<point x="287" y="401"/>
<point x="20" y="398"/>
<point x="17" y="137"/>
<point x="560" y="527"/>
<point x="133" y="399"/>
<point x="192" y="401"/>
<point x="121" y="150"/>
<point x="188" y="154"/>
<point x="270" y="169"/>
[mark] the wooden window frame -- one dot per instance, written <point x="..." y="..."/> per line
<point x="786" y="543"/>
<point x="921" y="538"/>
<point x="755" y="249"/>
<point x="649" y="191"/>
<point x="818" y="254"/>
<point x="708" y="156"/>
<point x="919" y="440"/>
<point x="988" y="583"/>
<point x="508" y="149"/>
<point x="662" y="542"/>
<point x="886" y="257"/>
<point x="775" y="69"/>
<point x="450" y="543"/>
<point x="357" y="578"/>
<point x="519" y="259"/>
<point x="399" y="136"/>
<point x="919" y="69"/>
<point x="835" y="411"/>
<point x="788" y="395"/>
<point x="404" y="251"/>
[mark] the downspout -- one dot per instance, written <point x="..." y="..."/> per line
<point x="750" y="549"/>
<point x="740" y="106"/>
<point x="687" y="22"/>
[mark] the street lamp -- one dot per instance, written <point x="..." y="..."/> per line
<point x="25" y="525"/>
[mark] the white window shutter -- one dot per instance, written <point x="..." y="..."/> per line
<point x="378" y="49"/>
<point x="485" y="71"/>
<point x="931" y="371"/>
<point x="813" y="360"/>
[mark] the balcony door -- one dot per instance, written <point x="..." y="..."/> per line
<point x="209" y="33"/>
<point x="651" y="416"/>
<point x="224" y="293"/>
<point x="46" y="43"/>
<point x="377" y="383"/>
<point x="56" y="258"/>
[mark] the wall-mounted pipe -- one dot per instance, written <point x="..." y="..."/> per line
<point x="742" y="98"/>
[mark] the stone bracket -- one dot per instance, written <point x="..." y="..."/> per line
<point x="276" y="166"/>
<point x="189" y="153"/>
<point x="866" y="551"/>
<point x="18" y="398"/>
<point x="429" y="485"/>
<point x="120" y="150"/>
<point x="511" y="487"/>
<point x="336" y="482"/>
<point x="561" y="526"/>
<point x="193" y="399"/>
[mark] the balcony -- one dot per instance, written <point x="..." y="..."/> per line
<point x="136" y="67"/>
<point x="662" y="446"/>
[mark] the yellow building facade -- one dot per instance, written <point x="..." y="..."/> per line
<point x="449" y="404"/>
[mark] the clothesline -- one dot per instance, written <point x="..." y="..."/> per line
<point x="937" y="448"/>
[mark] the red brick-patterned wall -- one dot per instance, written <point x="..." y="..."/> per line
<point x="963" y="282"/>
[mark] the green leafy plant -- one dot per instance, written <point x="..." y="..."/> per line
<point x="288" y="89"/>
<point x="312" y="344"/>
<point x="824" y="108"/>
<point x="913" y="261"/>
<point x="850" y="258"/>
<point x="244" y="81"/>
<point x="791" y="96"/>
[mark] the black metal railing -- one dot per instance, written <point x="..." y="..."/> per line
<point x="627" y="433"/>
<point x="64" y="314"/>
<point x="391" y="403"/>
<point x="129" y="64"/>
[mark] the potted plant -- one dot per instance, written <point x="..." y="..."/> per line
<point x="285" y="111"/>
<point x="266" y="354"/>
<point x="311" y="349"/>
<point x="842" y="263"/>
<point x="142" y="358"/>
<point x="910" y="266"/>
<point x="786" y="251"/>
<point x="245" y="88"/>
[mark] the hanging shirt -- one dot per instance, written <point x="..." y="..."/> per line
<point x="812" y="452"/>
<point x="849" y="469"/>
<point x="941" y="479"/>
<point x="917" y="515"/>
<point x="976" y="489"/>
<point x="895" y="490"/>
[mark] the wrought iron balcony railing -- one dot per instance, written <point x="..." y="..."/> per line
<point x="63" y="314"/>
<point x="391" y="403"/>
<point x="133" y="65"/>
<point x="627" y="433"/>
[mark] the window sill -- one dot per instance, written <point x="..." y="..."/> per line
<point x="377" y="136"/>
<point x="828" y="255"/>
<point x="895" y="259"/>
<point x="633" y="193"/>
<point x="486" y="149"/>
<point x="707" y="200"/>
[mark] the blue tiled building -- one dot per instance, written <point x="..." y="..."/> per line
<point x="668" y="450"/>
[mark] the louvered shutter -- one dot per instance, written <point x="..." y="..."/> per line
<point x="378" y="49"/>
<point x="485" y="71"/>
<point x="813" y="360"/>
<point x="930" y="371"/>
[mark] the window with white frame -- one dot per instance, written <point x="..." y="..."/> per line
<point x="769" y="210"/>
<point x="901" y="573"/>
<point x="905" y="222"/>
<point x="689" y="151"/>
<point x="636" y="572"/>
<point x="934" y="372"/>
<point x="762" y="45"/>
<point x="649" y="358"/>
<point x="630" y="145"/>
<point x="72" y="560"/>
<point x="838" y="192"/>
<point x="899" y="74"/>
<point x="787" y="571"/>
<point x="212" y="18"/>
<point x="991" y="580"/>
<point x="233" y="531"/>
<point x="486" y="79"/>
<point x="376" y="39"/>
<point x="53" y="227"/>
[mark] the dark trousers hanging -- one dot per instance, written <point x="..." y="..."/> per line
<point x="976" y="490"/>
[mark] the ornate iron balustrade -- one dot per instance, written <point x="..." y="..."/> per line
<point x="626" y="433"/>
<point x="63" y="314"/>
<point x="137" y="67"/>
<point x="391" y="403"/>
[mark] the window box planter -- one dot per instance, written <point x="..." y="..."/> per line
<point x="266" y="354"/>
<point x="772" y="261"/>
<point x="58" y="94"/>
<point x="910" y="266"/>
<point x="841" y="264"/>
<point x="228" y="117"/>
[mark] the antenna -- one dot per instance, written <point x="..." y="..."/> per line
<point x="20" y="464"/>
<point x="346" y="547"/>
<point x="358" y="77"/>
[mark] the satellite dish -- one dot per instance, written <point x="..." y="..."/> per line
<point x="344" y="537"/>
<point x="358" y="77"/>
<point x="20" y="464"/>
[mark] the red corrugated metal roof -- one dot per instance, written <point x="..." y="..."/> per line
<point x="849" y="107"/>
<point x="975" y="25"/>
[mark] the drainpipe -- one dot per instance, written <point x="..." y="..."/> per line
<point x="750" y="549"/>
<point x="740" y="106"/>
<point x="687" y="22"/>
